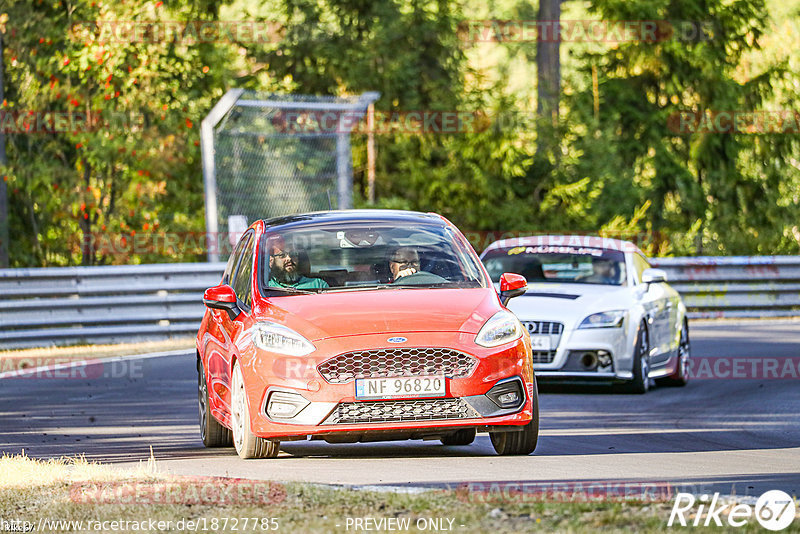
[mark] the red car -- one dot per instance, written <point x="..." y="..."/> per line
<point x="363" y="325"/>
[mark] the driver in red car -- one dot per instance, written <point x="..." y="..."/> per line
<point x="403" y="262"/>
<point x="284" y="270"/>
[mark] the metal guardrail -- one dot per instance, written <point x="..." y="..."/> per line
<point x="72" y="305"/>
<point x="76" y="305"/>
<point x="736" y="286"/>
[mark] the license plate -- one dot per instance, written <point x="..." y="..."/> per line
<point x="407" y="386"/>
<point x="540" y="342"/>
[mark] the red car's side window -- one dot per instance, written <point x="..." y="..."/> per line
<point x="243" y="282"/>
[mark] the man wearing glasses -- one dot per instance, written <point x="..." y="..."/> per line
<point x="284" y="271"/>
<point x="403" y="262"/>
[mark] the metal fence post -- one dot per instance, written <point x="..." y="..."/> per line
<point x="209" y="169"/>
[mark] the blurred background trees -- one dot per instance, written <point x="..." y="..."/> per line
<point x="603" y="156"/>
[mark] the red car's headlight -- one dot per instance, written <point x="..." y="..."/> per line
<point x="275" y="337"/>
<point x="501" y="328"/>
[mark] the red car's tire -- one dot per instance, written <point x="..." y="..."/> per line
<point x="212" y="432"/>
<point x="465" y="436"/>
<point x="247" y="444"/>
<point x="520" y="443"/>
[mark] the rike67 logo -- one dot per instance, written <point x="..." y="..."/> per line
<point x="774" y="510"/>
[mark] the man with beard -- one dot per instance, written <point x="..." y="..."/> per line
<point x="283" y="268"/>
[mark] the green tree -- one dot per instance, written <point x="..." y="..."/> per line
<point x="130" y="162"/>
<point x="702" y="184"/>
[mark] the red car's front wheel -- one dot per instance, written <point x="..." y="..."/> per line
<point x="519" y="443"/>
<point x="247" y="444"/>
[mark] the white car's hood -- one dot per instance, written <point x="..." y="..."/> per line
<point x="569" y="303"/>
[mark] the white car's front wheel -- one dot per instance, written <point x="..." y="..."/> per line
<point x="247" y="444"/>
<point x="641" y="363"/>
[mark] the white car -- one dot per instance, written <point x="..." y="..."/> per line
<point x="595" y="310"/>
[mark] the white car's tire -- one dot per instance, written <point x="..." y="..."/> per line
<point x="641" y="363"/>
<point x="247" y="444"/>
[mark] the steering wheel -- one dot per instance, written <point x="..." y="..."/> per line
<point x="420" y="278"/>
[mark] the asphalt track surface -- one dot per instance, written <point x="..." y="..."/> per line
<point x="730" y="435"/>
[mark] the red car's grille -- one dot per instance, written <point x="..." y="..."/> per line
<point x="399" y="411"/>
<point x="389" y="363"/>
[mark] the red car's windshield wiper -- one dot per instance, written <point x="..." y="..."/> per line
<point x="291" y="290"/>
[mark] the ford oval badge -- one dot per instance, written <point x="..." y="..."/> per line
<point x="397" y="340"/>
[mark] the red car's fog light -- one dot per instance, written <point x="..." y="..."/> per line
<point x="507" y="394"/>
<point x="284" y="405"/>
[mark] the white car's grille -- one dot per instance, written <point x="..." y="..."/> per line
<point x="544" y="327"/>
<point x="554" y="330"/>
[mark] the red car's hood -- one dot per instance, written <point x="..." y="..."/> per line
<point x="349" y="313"/>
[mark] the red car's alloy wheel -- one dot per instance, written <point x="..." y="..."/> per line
<point x="247" y="444"/>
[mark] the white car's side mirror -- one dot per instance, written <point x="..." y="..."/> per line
<point x="653" y="276"/>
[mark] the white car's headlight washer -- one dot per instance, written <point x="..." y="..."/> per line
<point x="502" y="327"/>
<point x="607" y="319"/>
<point x="275" y="337"/>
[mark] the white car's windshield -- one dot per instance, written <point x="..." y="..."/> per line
<point x="355" y="256"/>
<point x="564" y="264"/>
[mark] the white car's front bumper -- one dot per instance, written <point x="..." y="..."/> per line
<point x="603" y="354"/>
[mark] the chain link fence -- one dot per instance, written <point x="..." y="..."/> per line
<point x="268" y="155"/>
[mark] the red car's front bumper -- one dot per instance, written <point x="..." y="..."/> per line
<point x="333" y="406"/>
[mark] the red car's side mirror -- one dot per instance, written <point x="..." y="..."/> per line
<point x="222" y="298"/>
<point x="511" y="285"/>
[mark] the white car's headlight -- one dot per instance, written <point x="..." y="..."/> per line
<point x="278" y="338"/>
<point x="501" y="327"/>
<point x="609" y="319"/>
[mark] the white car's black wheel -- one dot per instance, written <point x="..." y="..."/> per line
<point x="247" y="444"/>
<point x="681" y="375"/>
<point x="520" y="443"/>
<point x="212" y="432"/>
<point x="641" y="363"/>
<point x="465" y="436"/>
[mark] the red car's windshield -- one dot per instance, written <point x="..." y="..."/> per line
<point x="340" y="257"/>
